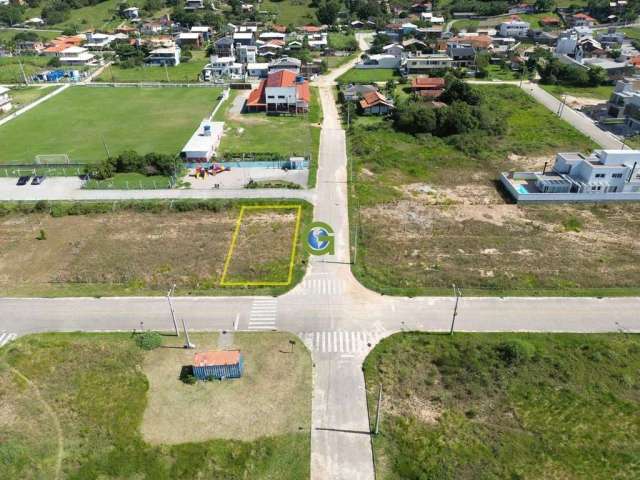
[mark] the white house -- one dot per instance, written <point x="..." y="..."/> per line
<point x="35" y="22"/>
<point x="428" y="62"/>
<point x="285" y="63"/>
<point x="244" y="38"/>
<point x="266" y="36"/>
<point x="194" y="5"/>
<point x="393" y="49"/>
<point x="5" y="100"/>
<point x="77" y="56"/>
<point x="222" y="67"/>
<point x="204" y="31"/>
<point x="514" y="28"/>
<point x="603" y="175"/>
<point x="98" y="41"/>
<point x="164" y="56"/>
<point x="132" y="13"/>
<point x="202" y="145"/>
<point x="246" y="53"/>
<point x="318" y="41"/>
<point x="379" y="61"/>
<point x="259" y="70"/>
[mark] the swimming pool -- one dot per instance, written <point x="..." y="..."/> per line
<point x="522" y="190"/>
<point x="276" y="164"/>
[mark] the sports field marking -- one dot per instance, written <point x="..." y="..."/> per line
<point x="234" y="239"/>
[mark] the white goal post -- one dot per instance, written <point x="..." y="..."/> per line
<point x="53" y="159"/>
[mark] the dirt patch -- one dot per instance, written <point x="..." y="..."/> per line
<point x="530" y="163"/>
<point x="579" y="102"/>
<point x="273" y="396"/>
<point x="467" y="194"/>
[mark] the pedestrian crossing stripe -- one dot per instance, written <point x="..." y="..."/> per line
<point x="340" y="341"/>
<point x="320" y="286"/>
<point x="6" y="338"/>
<point x="264" y="312"/>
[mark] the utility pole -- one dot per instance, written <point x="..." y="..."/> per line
<point x="187" y="341"/>
<point x="173" y="313"/>
<point x="106" y="149"/>
<point x="524" y="67"/>
<point x="561" y="108"/>
<point x="377" y="429"/>
<point x="458" y="293"/>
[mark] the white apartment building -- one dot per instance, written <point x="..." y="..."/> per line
<point x="77" y="56"/>
<point x="427" y="63"/>
<point x="164" y="56"/>
<point x="514" y="28"/>
<point x="222" y="67"/>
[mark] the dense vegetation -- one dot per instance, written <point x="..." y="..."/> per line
<point x="131" y="161"/>
<point x="515" y="406"/>
<point x="553" y="72"/>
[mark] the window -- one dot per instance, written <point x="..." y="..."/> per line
<point x="600" y="175"/>
<point x="280" y="96"/>
<point x="270" y="97"/>
<point x="616" y="175"/>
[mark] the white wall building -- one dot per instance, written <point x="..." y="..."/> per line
<point x="164" y="56"/>
<point x="428" y="62"/>
<point x="202" y="145"/>
<point x="5" y="100"/>
<point x="222" y="67"/>
<point x="77" y="56"/>
<point x="514" y="28"/>
<point x="379" y="61"/>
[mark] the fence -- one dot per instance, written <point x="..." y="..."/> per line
<point x="154" y="85"/>
<point x="51" y="170"/>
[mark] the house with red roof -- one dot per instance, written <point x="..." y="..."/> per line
<point x="282" y="91"/>
<point x="428" y="87"/>
<point x="374" y="103"/>
<point x="583" y="20"/>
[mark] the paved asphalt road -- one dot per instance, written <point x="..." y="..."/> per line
<point x="337" y="318"/>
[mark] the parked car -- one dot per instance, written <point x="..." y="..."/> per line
<point x="23" y="180"/>
<point x="38" y="179"/>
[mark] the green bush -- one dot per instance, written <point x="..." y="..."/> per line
<point x="515" y="352"/>
<point x="149" y="340"/>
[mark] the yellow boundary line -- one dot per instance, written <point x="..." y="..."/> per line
<point x="234" y="238"/>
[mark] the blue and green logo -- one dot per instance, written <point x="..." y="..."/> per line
<point x="320" y="239"/>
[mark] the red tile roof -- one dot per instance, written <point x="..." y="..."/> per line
<point x="279" y="28"/>
<point x="216" y="358"/>
<point x="371" y="99"/>
<point x="584" y="16"/>
<point x="312" y="29"/>
<point x="427" y="83"/>
<point x="281" y="78"/>
<point x="256" y="97"/>
<point x="477" y="41"/>
<point x="303" y="91"/>
<point x="430" y="93"/>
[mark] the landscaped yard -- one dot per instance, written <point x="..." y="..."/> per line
<point x="512" y="406"/>
<point x="603" y="92"/>
<point x="255" y="132"/>
<point x="496" y="72"/>
<point x="431" y="212"/>
<point x="188" y="72"/>
<point x="97" y="406"/>
<point x="368" y="75"/>
<point x="136" y="248"/>
<point x="22" y="96"/>
<point x="82" y="120"/>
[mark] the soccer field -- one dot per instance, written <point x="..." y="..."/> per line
<point x="81" y="120"/>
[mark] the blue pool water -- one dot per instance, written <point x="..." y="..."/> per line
<point x="521" y="189"/>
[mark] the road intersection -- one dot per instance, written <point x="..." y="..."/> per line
<point x="333" y="314"/>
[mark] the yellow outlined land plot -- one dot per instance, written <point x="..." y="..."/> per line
<point x="262" y="248"/>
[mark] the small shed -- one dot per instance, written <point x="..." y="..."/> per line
<point x="218" y="365"/>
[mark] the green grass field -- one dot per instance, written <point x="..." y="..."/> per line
<point x="368" y="75"/>
<point x="290" y="12"/>
<point x="100" y="16"/>
<point x="10" y="71"/>
<point x="496" y="72"/>
<point x="185" y="72"/>
<point x="603" y="92"/>
<point x="509" y="406"/>
<point x="80" y="401"/>
<point x="77" y="121"/>
<point x="342" y="41"/>
<point x="126" y="181"/>
<point x="7" y="34"/>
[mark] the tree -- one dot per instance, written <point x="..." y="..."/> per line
<point x="597" y="76"/>
<point x="11" y="14"/>
<point x="414" y="117"/>
<point x="327" y="12"/>
<point x="457" y="90"/>
<point x="544" y="5"/>
<point x="458" y="118"/>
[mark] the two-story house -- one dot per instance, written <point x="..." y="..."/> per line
<point x="281" y="91"/>
<point x="5" y="100"/>
<point x="222" y="67"/>
<point x="169" y="56"/>
<point x="514" y="28"/>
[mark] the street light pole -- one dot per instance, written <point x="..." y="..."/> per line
<point x="458" y="293"/>
<point x="187" y="341"/>
<point x="173" y="313"/>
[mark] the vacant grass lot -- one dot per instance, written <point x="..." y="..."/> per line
<point x="77" y="121"/>
<point x="188" y="72"/>
<point x="272" y="378"/>
<point x="94" y="387"/>
<point x="10" y="68"/>
<point x="140" y="248"/>
<point x="431" y="212"/>
<point x="480" y="406"/>
<point x="603" y="92"/>
<point x="100" y="16"/>
<point x="290" y="12"/>
<point x="7" y="34"/>
<point x="248" y="262"/>
<point x="368" y="75"/>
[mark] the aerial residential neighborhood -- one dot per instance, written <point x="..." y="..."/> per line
<point x="321" y="240"/>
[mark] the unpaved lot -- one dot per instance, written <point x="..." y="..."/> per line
<point x="500" y="247"/>
<point x="125" y="252"/>
<point x="273" y="397"/>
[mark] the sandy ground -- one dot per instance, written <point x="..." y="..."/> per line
<point x="240" y="177"/>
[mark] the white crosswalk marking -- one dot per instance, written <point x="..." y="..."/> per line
<point x="6" y="337"/>
<point x="264" y="312"/>
<point x="340" y="341"/>
<point x="320" y="286"/>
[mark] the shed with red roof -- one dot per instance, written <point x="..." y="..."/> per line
<point x="218" y="365"/>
